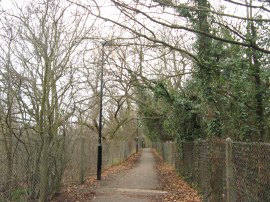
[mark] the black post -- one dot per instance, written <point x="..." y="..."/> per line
<point x="99" y="158"/>
<point x="137" y="138"/>
<point x="137" y="144"/>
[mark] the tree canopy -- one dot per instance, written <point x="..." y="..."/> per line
<point x="227" y="87"/>
<point x="174" y="69"/>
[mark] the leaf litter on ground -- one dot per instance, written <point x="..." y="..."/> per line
<point x="178" y="190"/>
<point x="83" y="192"/>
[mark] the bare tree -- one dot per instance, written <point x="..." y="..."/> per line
<point x="45" y="53"/>
<point x="10" y="84"/>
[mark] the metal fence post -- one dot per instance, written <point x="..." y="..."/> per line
<point x="81" y="176"/>
<point x="229" y="170"/>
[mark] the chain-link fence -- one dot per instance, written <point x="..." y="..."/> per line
<point x="83" y="160"/>
<point x="251" y="163"/>
<point x="14" y="175"/>
<point x="69" y="160"/>
<point x="222" y="170"/>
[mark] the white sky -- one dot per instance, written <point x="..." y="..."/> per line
<point x="108" y="31"/>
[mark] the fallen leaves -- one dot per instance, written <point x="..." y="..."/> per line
<point x="81" y="193"/>
<point x="177" y="188"/>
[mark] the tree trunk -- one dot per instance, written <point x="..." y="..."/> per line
<point x="44" y="171"/>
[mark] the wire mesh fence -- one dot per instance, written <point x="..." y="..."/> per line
<point x="222" y="170"/>
<point x="14" y="176"/>
<point x="70" y="160"/>
<point x="83" y="160"/>
<point x="251" y="163"/>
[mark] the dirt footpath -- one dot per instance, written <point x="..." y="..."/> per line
<point x="141" y="178"/>
<point x="138" y="184"/>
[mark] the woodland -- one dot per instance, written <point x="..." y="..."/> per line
<point x="212" y="75"/>
<point x="174" y="70"/>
